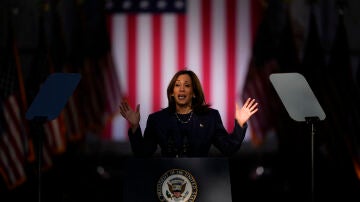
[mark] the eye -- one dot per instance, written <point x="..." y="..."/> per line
<point x="177" y="84"/>
<point x="188" y="85"/>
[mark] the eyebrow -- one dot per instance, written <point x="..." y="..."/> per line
<point x="184" y="82"/>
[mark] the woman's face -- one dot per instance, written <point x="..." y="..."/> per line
<point x="183" y="91"/>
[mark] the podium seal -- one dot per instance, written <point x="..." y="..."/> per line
<point x="177" y="185"/>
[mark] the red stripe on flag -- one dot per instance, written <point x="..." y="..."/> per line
<point x="231" y="60"/>
<point x="132" y="61"/>
<point x="206" y="47"/>
<point x="157" y="50"/>
<point x="181" y="36"/>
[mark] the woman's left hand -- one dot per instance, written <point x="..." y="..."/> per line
<point x="246" y="111"/>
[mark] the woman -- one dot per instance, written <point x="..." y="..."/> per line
<point x="188" y="126"/>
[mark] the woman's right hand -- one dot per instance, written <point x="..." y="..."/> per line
<point x="133" y="117"/>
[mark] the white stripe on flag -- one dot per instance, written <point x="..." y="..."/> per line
<point x="144" y="69"/>
<point x="150" y="48"/>
<point x="193" y="23"/>
<point x="120" y="55"/>
<point x="169" y="55"/>
<point x="243" y="53"/>
<point x="218" y="65"/>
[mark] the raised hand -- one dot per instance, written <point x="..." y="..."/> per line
<point x="246" y="111"/>
<point x="132" y="116"/>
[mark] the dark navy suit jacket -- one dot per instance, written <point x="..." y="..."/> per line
<point x="207" y="129"/>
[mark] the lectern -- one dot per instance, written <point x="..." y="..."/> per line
<point x="177" y="179"/>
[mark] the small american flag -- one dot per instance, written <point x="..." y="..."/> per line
<point x="13" y="143"/>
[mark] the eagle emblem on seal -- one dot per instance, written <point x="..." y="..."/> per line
<point x="177" y="185"/>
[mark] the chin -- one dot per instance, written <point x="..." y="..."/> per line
<point x="182" y="103"/>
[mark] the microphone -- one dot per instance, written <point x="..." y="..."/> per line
<point x="171" y="148"/>
<point x="185" y="145"/>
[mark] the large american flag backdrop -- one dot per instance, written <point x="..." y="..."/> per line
<point x="151" y="40"/>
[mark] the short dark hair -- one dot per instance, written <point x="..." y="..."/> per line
<point x="198" y="104"/>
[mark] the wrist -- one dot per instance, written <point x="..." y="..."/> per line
<point x="240" y="123"/>
<point x="134" y="127"/>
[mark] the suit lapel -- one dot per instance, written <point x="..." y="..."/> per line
<point x="195" y="126"/>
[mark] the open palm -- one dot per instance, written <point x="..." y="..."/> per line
<point x="246" y="111"/>
<point x="132" y="116"/>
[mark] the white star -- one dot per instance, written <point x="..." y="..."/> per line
<point x="144" y="4"/>
<point x="179" y="4"/>
<point x="126" y="5"/>
<point x="161" y="4"/>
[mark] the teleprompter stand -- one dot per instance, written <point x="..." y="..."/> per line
<point x="300" y="103"/>
<point x="47" y="105"/>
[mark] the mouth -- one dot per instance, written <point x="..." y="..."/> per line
<point x="181" y="97"/>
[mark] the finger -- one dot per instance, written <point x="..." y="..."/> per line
<point x="121" y="107"/>
<point x="123" y="114"/>
<point x="124" y="103"/>
<point x="251" y="103"/>
<point x="254" y="111"/>
<point x="253" y="106"/>
<point x="126" y="106"/>
<point x="247" y="102"/>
